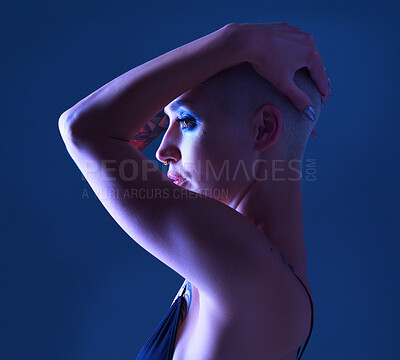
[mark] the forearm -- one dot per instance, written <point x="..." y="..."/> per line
<point x="124" y="105"/>
<point x="150" y="131"/>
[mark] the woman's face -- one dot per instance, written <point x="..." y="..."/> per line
<point x="216" y="163"/>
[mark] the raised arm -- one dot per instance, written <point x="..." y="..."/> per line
<point x="125" y="107"/>
<point x="122" y="107"/>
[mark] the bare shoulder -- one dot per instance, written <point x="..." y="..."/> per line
<point x="205" y="241"/>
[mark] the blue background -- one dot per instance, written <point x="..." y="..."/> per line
<point x="75" y="286"/>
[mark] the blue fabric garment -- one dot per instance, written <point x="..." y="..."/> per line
<point x="161" y="343"/>
<point x="160" y="346"/>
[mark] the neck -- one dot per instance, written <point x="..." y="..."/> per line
<point x="275" y="207"/>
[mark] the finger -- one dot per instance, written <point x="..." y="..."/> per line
<point x="319" y="75"/>
<point x="300" y="99"/>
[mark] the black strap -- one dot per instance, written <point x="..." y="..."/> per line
<point x="312" y="321"/>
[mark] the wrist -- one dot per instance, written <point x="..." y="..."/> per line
<point x="236" y="39"/>
<point x="235" y="44"/>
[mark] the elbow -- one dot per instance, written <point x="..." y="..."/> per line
<point x="67" y="124"/>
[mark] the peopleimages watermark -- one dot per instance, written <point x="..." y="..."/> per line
<point x="138" y="173"/>
<point x="260" y="170"/>
<point x="311" y="170"/>
<point x="155" y="193"/>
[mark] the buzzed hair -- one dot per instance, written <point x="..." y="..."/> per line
<point x="241" y="91"/>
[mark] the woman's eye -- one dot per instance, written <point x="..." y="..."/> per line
<point x="187" y="120"/>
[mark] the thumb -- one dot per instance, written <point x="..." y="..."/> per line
<point x="300" y="99"/>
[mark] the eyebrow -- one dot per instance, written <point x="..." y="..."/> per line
<point x="180" y="103"/>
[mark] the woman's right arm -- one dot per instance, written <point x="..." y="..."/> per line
<point x="277" y="50"/>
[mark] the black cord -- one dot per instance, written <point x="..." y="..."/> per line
<point x="312" y="321"/>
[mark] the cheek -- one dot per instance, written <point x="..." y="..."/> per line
<point x="193" y="156"/>
<point x="196" y="157"/>
<point x="234" y="162"/>
<point x="213" y="157"/>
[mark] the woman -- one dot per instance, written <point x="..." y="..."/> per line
<point x="236" y="103"/>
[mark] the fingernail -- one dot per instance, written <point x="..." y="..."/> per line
<point x="325" y="68"/>
<point x="330" y="91"/>
<point x="314" y="131"/>
<point x="310" y="113"/>
<point x="329" y="81"/>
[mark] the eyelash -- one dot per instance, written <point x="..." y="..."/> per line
<point x="187" y="119"/>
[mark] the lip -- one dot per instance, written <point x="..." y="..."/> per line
<point x="179" y="181"/>
<point x="174" y="176"/>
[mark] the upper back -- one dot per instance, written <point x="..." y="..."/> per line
<point x="270" y="326"/>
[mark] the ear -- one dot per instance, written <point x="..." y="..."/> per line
<point x="268" y="123"/>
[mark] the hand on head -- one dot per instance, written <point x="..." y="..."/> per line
<point x="276" y="51"/>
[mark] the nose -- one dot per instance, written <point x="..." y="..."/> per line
<point x="168" y="150"/>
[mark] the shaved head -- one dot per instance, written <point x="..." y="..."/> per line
<point x="240" y="91"/>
